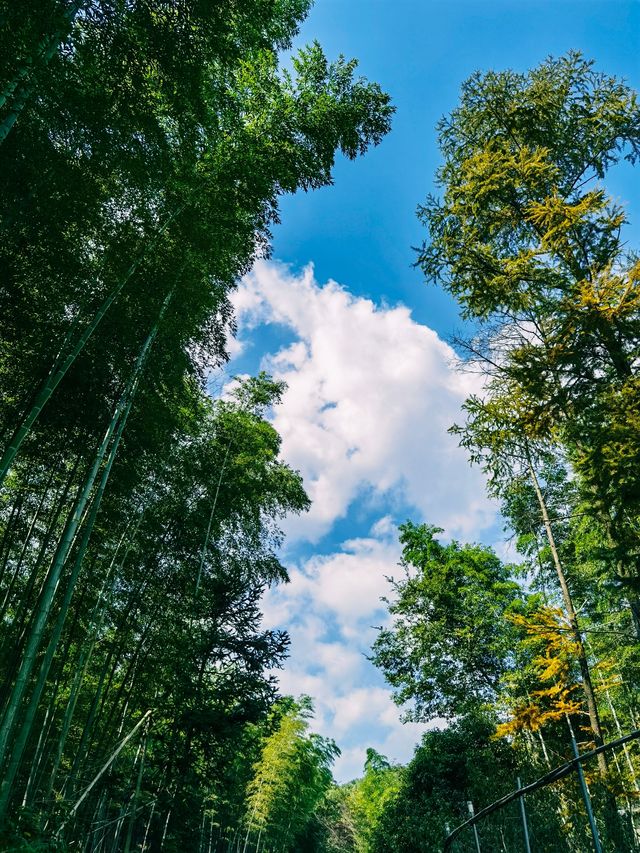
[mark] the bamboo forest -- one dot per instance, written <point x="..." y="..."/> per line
<point x="149" y="153"/>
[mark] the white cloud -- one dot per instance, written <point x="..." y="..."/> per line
<point x="371" y="394"/>
<point x="329" y="608"/>
<point x="342" y="590"/>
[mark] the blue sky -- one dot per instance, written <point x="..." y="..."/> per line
<point x="342" y="316"/>
<point x="361" y="230"/>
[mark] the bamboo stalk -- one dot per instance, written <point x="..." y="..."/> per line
<point x="102" y="770"/>
<point x="587" y="685"/>
<point x="19" y="88"/>
<point x="62" y="364"/>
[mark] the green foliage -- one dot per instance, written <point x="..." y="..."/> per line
<point x="28" y="837"/>
<point x="449" y="768"/>
<point x="168" y="618"/>
<point x="290" y="779"/>
<point x="334" y="824"/>
<point x="516" y="226"/>
<point x="526" y="237"/>
<point x="449" y="644"/>
<point x="144" y="147"/>
<point x="369" y="797"/>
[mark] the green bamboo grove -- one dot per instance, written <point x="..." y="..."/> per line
<point x="144" y="147"/>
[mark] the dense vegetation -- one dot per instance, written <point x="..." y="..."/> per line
<point x="521" y="656"/>
<point x="143" y="148"/>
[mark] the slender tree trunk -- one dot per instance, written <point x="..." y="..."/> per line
<point x="27" y="542"/>
<point x="102" y="770"/>
<point x="127" y="684"/>
<point x="587" y="685"/>
<point x="7" y="540"/>
<point x="119" y="825"/>
<point x="29" y="717"/>
<point x="51" y="584"/>
<point x="148" y="826"/>
<point x="625" y="749"/>
<point x="205" y="545"/>
<point x="95" y="622"/>
<point x="64" y="361"/>
<point x="21" y="617"/>
<point x="40" y="749"/>
<point x="7" y="536"/>
<point x="164" y="831"/>
<point x="112" y="437"/>
<point x="543" y="746"/>
<point x="202" y="825"/>
<point x="49" y="589"/>
<point x="80" y="755"/>
<point x="111" y="663"/>
<point x="18" y="90"/>
<point x="210" y="844"/>
<point x="136" y="795"/>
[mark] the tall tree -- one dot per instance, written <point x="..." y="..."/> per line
<point x="290" y="779"/>
<point x="449" y="644"/>
<point x="527" y="239"/>
<point x="167" y="618"/>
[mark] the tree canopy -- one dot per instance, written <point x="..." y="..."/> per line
<point x="448" y="645"/>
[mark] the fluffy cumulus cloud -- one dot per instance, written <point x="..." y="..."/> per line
<point x="371" y="394"/>
<point x="331" y="608"/>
